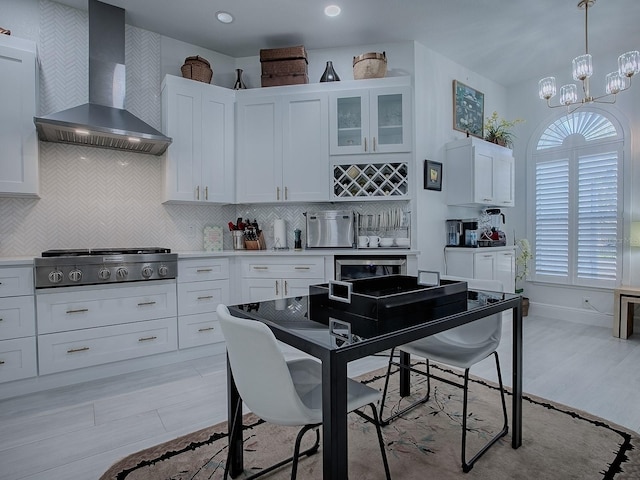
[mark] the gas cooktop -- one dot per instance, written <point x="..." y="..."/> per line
<point x="75" y="252"/>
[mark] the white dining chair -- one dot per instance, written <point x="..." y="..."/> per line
<point x="460" y="347"/>
<point x="284" y="392"/>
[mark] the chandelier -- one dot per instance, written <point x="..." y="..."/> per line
<point x="616" y="82"/>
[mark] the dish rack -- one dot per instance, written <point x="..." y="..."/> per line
<point x="393" y="226"/>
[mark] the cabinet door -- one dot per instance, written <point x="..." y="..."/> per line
<point x="390" y="120"/>
<point x="305" y="149"/>
<point x="505" y="270"/>
<point x="483" y="178"/>
<point x="298" y="287"/>
<point x="259" y="141"/>
<point x="260" y="289"/>
<point x="503" y="180"/>
<point x="182" y="121"/>
<point x="484" y="266"/>
<point x="217" y="177"/>
<point x="349" y="122"/>
<point x="19" y="152"/>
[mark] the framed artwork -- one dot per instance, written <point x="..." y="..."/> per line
<point x="432" y="175"/>
<point x="468" y="109"/>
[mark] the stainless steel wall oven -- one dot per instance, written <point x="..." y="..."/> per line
<point x="358" y="266"/>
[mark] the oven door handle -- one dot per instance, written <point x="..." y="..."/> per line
<point x="346" y="287"/>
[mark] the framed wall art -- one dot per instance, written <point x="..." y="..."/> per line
<point x="468" y="109"/>
<point x="432" y="175"/>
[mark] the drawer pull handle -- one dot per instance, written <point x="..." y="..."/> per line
<point x="146" y="339"/>
<point x="205" y="329"/>
<point x="207" y="297"/>
<point x="76" y="350"/>
<point x="302" y="268"/>
<point x="204" y="270"/>
<point x="142" y="304"/>
<point x="1" y="362"/>
<point x="260" y="268"/>
<point x="79" y="310"/>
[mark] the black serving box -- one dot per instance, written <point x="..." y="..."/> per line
<point x="379" y="305"/>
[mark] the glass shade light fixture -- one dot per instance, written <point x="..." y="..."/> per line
<point x="616" y="82"/>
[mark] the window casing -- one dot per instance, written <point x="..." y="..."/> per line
<point x="577" y="200"/>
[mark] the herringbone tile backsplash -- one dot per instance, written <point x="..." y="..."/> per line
<point x="90" y="197"/>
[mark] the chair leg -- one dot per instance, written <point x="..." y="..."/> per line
<point x="386" y="421"/>
<point x="375" y="419"/>
<point x="467" y="466"/>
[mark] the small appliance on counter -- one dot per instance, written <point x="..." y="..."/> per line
<point x="491" y="233"/>
<point x="454" y="233"/>
<point x="462" y="233"/>
<point x="470" y="233"/>
<point x="330" y="229"/>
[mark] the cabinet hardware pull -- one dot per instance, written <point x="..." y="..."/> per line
<point x="1" y="362"/>
<point x="302" y="268"/>
<point x="205" y="329"/>
<point x="286" y="288"/>
<point x="204" y="270"/>
<point x="374" y="144"/>
<point x="1" y="319"/>
<point x="277" y="193"/>
<point x="260" y="268"/>
<point x="276" y="288"/>
<point x="198" y="192"/>
<point x="80" y="310"/>
<point x="486" y="199"/>
<point x="206" y="193"/>
<point x="286" y="193"/>
<point x="207" y="297"/>
<point x="142" y="304"/>
<point x="487" y="256"/>
<point x="365" y="144"/>
<point x="146" y="339"/>
<point x="76" y="350"/>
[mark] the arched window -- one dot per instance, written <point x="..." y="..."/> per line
<point x="577" y="184"/>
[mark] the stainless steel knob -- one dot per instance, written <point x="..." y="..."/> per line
<point x="147" y="271"/>
<point x="122" y="273"/>
<point x="56" y="276"/>
<point x="104" y="273"/>
<point x="163" y="270"/>
<point x="75" y="275"/>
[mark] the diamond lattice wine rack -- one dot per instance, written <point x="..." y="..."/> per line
<point x="371" y="180"/>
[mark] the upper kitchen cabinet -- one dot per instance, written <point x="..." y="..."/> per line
<point x="200" y="162"/>
<point x="18" y="94"/>
<point x="479" y="173"/>
<point x="371" y="120"/>
<point x="283" y="153"/>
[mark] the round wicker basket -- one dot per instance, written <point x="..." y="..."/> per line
<point x="370" y="65"/>
<point x="197" y="68"/>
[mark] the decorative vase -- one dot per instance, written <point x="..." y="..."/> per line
<point x="525" y="306"/>
<point x="329" y="74"/>
<point x="239" y="85"/>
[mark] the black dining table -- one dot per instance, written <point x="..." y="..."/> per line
<point x="289" y="320"/>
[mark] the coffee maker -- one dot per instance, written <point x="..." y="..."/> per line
<point x="454" y="233"/>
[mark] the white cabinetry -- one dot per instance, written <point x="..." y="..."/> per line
<point x="371" y="120"/>
<point x="203" y="283"/>
<point x="282" y="147"/>
<point x="479" y="173"/>
<point x="491" y="263"/>
<point x="18" y="139"/>
<point x="17" y="324"/>
<point x="282" y="277"/>
<point x="85" y="326"/>
<point x="199" y="162"/>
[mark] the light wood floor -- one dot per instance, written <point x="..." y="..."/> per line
<point x="76" y="433"/>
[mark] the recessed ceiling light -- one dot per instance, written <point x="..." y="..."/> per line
<point x="332" y="11"/>
<point x="224" y="17"/>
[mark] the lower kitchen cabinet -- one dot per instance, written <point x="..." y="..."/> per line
<point x="271" y="278"/>
<point x="17" y="359"/>
<point x="495" y="263"/>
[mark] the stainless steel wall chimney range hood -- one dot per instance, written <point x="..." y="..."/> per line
<point x="103" y="122"/>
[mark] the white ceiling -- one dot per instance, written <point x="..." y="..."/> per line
<point x="505" y="40"/>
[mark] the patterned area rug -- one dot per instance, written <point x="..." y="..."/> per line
<point x="558" y="443"/>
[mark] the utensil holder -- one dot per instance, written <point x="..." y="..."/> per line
<point x="238" y="239"/>
<point x="256" y="244"/>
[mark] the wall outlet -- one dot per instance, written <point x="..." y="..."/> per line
<point x="586" y="302"/>
<point x="191" y="231"/>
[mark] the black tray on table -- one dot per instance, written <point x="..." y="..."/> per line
<point x="379" y="305"/>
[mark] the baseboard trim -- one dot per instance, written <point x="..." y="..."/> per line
<point x="575" y="315"/>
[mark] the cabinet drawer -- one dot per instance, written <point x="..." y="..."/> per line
<point x="196" y="330"/>
<point x="202" y="297"/>
<point x="201" y="269"/>
<point x="17" y="359"/>
<point x="308" y="267"/>
<point x="73" y="309"/>
<point x="16" y="281"/>
<point x="58" y="352"/>
<point x="17" y="317"/>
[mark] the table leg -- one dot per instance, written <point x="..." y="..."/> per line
<point x="626" y="316"/>
<point x="334" y="418"/>
<point x="405" y="374"/>
<point x="616" y="314"/>
<point x="234" y="417"/>
<point x="516" y="406"/>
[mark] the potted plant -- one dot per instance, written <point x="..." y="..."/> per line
<point x="500" y="131"/>
<point x="523" y="257"/>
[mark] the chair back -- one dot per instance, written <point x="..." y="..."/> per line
<point x="260" y="371"/>
<point x="485" y="332"/>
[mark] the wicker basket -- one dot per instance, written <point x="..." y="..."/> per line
<point x="370" y="65"/>
<point x="197" y="68"/>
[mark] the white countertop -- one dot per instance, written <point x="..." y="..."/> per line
<point x="480" y="249"/>
<point x="16" y="261"/>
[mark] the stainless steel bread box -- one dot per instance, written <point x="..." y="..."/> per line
<point x="330" y="229"/>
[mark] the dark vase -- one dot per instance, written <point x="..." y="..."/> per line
<point x="329" y="74"/>
<point x="239" y="85"/>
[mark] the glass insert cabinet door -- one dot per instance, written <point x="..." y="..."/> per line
<point x="372" y="121"/>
